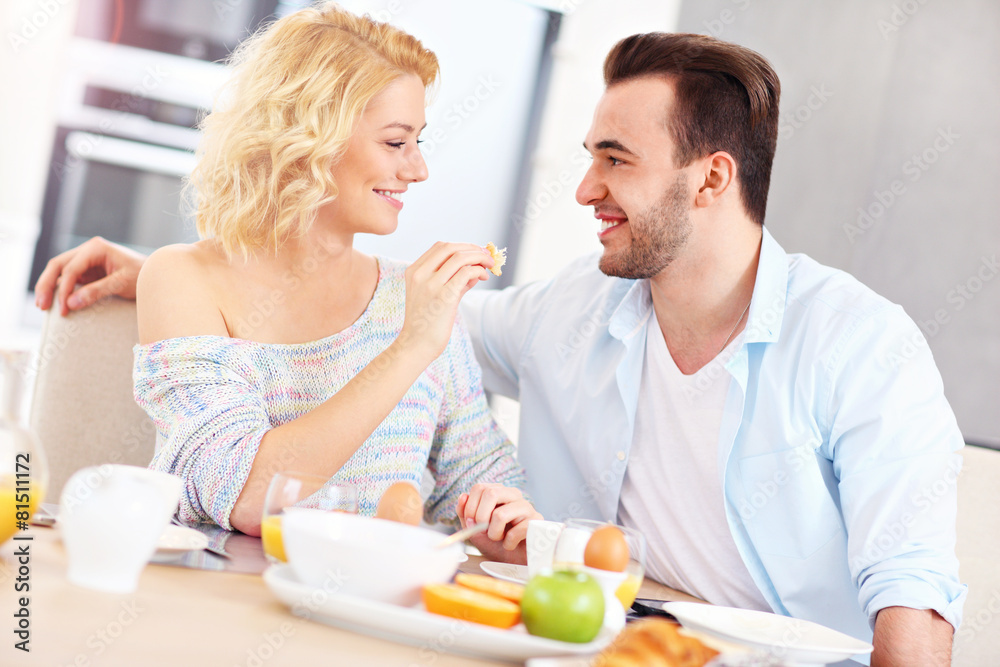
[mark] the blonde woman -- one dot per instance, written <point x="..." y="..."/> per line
<point x="273" y="344"/>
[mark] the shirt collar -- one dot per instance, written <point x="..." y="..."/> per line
<point x="767" y="305"/>
<point x="633" y="310"/>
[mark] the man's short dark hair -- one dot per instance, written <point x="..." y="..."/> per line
<point x="726" y="100"/>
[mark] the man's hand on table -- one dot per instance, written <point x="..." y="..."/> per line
<point x="905" y="637"/>
<point x="507" y="512"/>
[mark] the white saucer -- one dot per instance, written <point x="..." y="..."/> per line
<point x="178" y="539"/>
<point x="506" y="571"/>
<point x="790" y="639"/>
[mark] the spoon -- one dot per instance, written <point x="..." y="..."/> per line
<point x="461" y="535"/>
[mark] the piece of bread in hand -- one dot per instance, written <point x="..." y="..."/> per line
<point x="654" y="642"/>
<point x="499" y="256"/>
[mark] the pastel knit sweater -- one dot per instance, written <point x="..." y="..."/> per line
<point x="213" y="398"/>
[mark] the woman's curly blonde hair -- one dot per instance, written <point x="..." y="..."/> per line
<point x="297" y="91"/>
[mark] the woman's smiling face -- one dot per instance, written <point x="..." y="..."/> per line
<point x="381" y="160"/>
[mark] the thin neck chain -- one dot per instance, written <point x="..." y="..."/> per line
<point x="728" y="338"/>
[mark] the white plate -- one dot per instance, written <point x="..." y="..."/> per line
<point x="506" y="571"/>
<point x="792" y="639"/>
<point x="574" y="661"/>
<point x="413" y="625"/>
<point x="177" y="539"/>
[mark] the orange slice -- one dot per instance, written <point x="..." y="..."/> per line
<point x="466" y="604"/>
<point x="507" y="590"/>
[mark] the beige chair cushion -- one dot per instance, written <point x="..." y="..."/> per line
<point x="82" y="407"/>
<point x="977" y="642"/>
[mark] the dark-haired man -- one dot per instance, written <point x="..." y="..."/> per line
<point x="742" y="407"/>
<point x="734" y="403"/>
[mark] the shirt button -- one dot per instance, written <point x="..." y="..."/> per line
<point x="621" y="456"/>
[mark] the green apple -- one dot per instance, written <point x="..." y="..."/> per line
<point x="563" y="605"/>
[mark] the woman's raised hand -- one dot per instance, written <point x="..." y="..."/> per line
<point x="435" y="283"/>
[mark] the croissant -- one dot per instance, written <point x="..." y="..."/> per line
<point x="654" y="642"/>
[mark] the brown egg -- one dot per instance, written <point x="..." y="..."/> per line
<point x="401" y="502"/>
<point x="607" y="550"/>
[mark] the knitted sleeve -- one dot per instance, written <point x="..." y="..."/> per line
<point x="468" y="446"/>
<point x="209" y="419"/>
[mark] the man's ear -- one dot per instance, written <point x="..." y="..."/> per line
<point x="718" y="175"/>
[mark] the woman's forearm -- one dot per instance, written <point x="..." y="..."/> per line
<point x="322" y="440"/>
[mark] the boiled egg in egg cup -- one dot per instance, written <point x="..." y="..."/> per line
<point x="613" y="555"/>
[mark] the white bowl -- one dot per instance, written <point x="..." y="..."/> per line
<point x="367" y="557"/>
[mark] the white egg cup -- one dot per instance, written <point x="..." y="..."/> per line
<point x="551" y="544"/>
<point x="614" y="612"/>
<point x="111" y="517"/>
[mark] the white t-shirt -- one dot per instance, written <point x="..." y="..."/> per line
<point x="672" y="490"/>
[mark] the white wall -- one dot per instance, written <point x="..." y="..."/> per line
<point x="476" y="123"/>
<point x="33" y="37"/>
<point x="556" y="229"/>
<point x="886" y="164"/>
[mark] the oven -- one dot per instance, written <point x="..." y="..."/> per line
<point x="124" y="143"/>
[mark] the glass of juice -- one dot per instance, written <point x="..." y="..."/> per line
<point x="23" y="470"/>
<point x="298" y="489"/>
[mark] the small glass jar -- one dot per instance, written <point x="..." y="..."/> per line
<point x="24" y="472"/>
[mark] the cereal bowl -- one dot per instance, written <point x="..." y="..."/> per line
<point x="366" y="557"/>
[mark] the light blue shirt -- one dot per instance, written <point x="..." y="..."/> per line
<point x="837" y="450"/>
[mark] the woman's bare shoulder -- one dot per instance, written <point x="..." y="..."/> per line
<point x="177" y="292"/>
<point x="185" y="256"/>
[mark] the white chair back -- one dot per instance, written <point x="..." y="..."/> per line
<point x="82" y="407"/>
<point x="977" y="642"/>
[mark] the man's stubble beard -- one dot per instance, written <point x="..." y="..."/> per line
<point x="658" y="235"/>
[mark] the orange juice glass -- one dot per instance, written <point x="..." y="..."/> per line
<point x="288" y="490"/>
<point x="636" y="567"/>
<point x="24" y="473"/>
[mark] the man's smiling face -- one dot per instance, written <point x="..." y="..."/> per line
<point x="642" y="199"/>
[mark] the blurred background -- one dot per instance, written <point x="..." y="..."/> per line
<point x="885" y="165"/>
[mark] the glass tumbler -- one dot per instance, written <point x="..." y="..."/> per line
<point x="575" y="533"/>
<point x="298" y="489"/>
